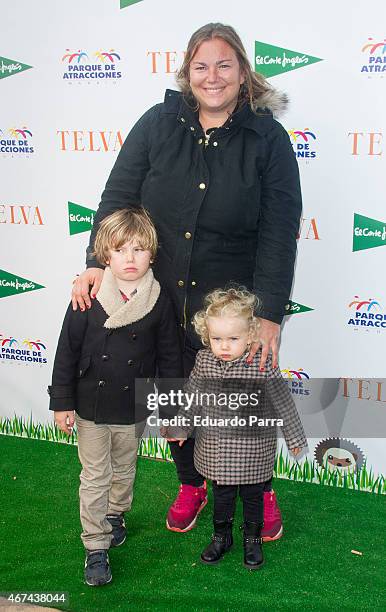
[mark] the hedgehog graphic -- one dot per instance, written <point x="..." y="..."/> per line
<point x="339" y="453"/>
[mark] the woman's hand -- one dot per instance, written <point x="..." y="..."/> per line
<point x="65" y="420"/>
<point x="269" y="333"/>
<point x="80" y="292"/>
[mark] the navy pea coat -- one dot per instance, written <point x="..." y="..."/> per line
<point x="103" y="350"/>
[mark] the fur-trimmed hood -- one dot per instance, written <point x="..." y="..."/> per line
<point x="121" y="313"/>
<point x="275" y="101"/>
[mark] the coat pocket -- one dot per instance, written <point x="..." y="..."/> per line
<point x="83" y="366"/>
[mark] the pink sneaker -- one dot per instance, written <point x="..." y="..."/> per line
<point x="187" y="506"/>
<point x="273" y="527"/>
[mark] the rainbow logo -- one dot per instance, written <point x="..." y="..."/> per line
<point x="37" y="344"/>
<point x="7" y="341"/>
<point x="296" y="134"/>
<point x="79" y="67"/>
<point x="299" y="374"/>
<point x="374" y="47"/>
<point x="103" y="56"/>
<point x="359" y="304"/>
<point x="27" y="352"/>
<point x="69" y="57"/>
<point x="376" y="56"/>
<point x="302" y="143"/>
<point x="17" y="133"/>
<point x="367" y="314"/>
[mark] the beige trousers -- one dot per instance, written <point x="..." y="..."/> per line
<point x="108" y="454"/>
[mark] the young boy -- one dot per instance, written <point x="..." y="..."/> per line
<point x="129" y="332"/>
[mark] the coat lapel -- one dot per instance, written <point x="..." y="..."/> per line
<point x="121" y="313"/>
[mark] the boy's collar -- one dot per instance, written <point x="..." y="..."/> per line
<point x="121" y="313"/>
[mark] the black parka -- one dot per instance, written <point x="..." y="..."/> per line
<point x="225" y="211"/>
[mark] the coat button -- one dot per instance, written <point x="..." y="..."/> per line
<point x="215" y="144"/>
<point x="134" y="336"/>
<point x="188" y="235"/>
<point x="199" y="141"/>
<point x="192" y="128"/>
<point x="193" y="283"/>
<point x="183" y="120"/>
<point x="105" y="357"/>
<point x="287" y="306"/>
<point x="130" y="362"/>
<point x="202" y="185"/>
<point x="101" y="383"/>
<point x="125" y="388"/>
<point x="180" y="283"/>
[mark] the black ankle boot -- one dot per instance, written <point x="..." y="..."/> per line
<point x="253" y="553"/>
<point x="222" y="541"/>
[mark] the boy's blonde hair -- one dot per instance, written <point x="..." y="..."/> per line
<point x="123" y="226"/>
<point x="233" y="302"/>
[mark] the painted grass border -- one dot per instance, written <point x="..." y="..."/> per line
<point x="154" y="448"/>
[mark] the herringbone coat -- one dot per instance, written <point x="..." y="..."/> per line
<point x="239" y="454"/>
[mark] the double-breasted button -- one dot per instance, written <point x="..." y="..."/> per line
<point x="202" y="185"/>
<point x="183" y="120"/>
<point x="130" y="362"/>
<point x="199" y="141"/>
<point x="134" y="336"/>
<point x="215" y="144"/>
<point x="180" y="283"/>
<point x="125" y="388"/>
<point x="194" y="283"/>
<point x="287" y="307"/>
<point x="192" y="128"/>
<point x="105" y="357"/>
<point x="188" y="235"/>
<point x="101" y="383"/>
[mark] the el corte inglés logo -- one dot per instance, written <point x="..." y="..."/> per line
<point x="80" y="218"/>
<point x="368" y="233"/>
<point x="11" y="284"/>
<point x="9" y="67"/>
<point x="125" y="3"/>
<point x="295" y="308"/>
<point x="271" y="60"/>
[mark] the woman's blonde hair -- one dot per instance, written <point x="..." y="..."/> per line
<point x="233" y="302"/>
<point x="123" y="226"/>
<point x="255" y="85"/>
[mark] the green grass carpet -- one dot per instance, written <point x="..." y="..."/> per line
<point x="311" y="567"/>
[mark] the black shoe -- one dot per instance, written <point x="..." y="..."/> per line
<point x="253" y="553"/>
<point x="119" y="532"/>
<point x="222" y="541"/>
<point x="97" y="568"/>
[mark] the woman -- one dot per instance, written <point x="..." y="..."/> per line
<point x="218" y="175"/>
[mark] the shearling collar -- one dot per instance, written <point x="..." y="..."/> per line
<point x="121" y="313"/>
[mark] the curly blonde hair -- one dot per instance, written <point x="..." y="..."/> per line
<point x="233" y="302"/>
<point x="255" y="84"/>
